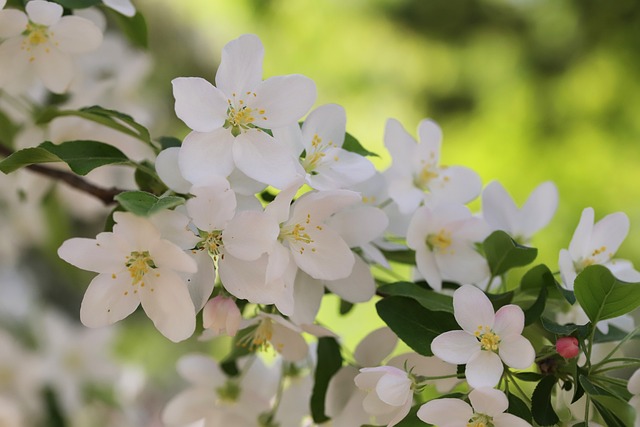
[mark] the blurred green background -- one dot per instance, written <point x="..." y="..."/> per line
<point x="525" y="90"/>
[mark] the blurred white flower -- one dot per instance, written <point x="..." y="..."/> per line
<point x="390" y="392"/>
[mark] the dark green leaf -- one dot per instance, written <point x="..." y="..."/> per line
<point x="529" y="376"/>
<point x="563" y="330"/>
<point x="84" y="156"/>
<point x="518" y="408"/>
<point x="413" y="323"/>
<point x="614" y="334"/>
<point x="147" y="182"/>
<point x="535" y="310"/>
<point x="134" y="28"/>
<point x="329" y="362"/>
<point x="427" y="298"/>
<point x="77" y="4"/>
<point x="353" y="145"/>
<point x="228" y="364"/>
<point x="345" y="307"/>
<point x="8" y="130"/>
<point x="602" y="296"/>
<point x="169" y="142"/>
<point x="541" y="407"/>
<point x="407" y="256"/>
<point x="503" y="253"/>
<point x="537" y="277"/>
<point x="500" y="300"/>
<point x="615" y="412"/>
<point x="144" y="204"/>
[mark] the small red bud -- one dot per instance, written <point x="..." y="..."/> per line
<point x="567" y="347"/>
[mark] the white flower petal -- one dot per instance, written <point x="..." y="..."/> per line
<point x="321" y="204"/>
<point x="403" y="192"/>
<point x="517" y="352"/>
<point x="567" y="269"/>
<point x="510" y="420"/>
<point x="289" y="343"/>
<point x="262" y="158"/>
<point x="166" y="254"/>
<point x="445" y="412"/>
<point x="107" y="300"/>
<point x="341" y="169"/>
<point x="99" y="255"/>
<point x="2" y="3"/>
<point x="201" y="283"/>
<point x="199" y="104"/>
<point x="250" y="234"/>
<point x="169" y="172"/>
<point x="201" y="370"/>
<point x="498" y="208"/>
<point x="121" y="6"/>
<point x="213" y="205"/>
<point x="428" y="267"/>
<point x="634" y="383"/>
<point x="328" y="257"/>
<point x="359" y="225"/>
<point x="375" y="346"/>
<point x="400" y="144"/>
<point x="43" y="12"/>
<point x="484" y="369"/>
<point x="539" y="208"/>
<point x="609" y="233"/>
<point x="54" y="68"/>
<point x="206" y="155"/>
<point x="285" y="99"/>
<point x="455" y="347"/>
<point x="12" y="23"/>
<point x="475" y="268"/>
<point x="430" y="136"/>
<point x="166" y="300"/>
<point x="394" y="388"/>
<point x="240" y="68"/>
<point x="139" y="232"/>
<point x="290" y="136"/>
<point x="472" y="308"/>
<point x="340" y="389"/>
<point x="488" y="401"/>
<point x="329" y="122"/>
<point x="359" y="286"/>
<point x="189" y="406"/>
<point x="582" y="235"/>
<point x="509" y="321"/>
<point x="15" y="69"/>
<point x="307" y="294"/>
<point x="74" y="35"/>
<point x="455" y="184"/>
<point x="401" y="413"/>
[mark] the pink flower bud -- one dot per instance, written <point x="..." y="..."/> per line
<point x="221" y="315"/>
<point x="567" y="347"/>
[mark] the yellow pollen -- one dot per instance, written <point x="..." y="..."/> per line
<point x="260" y="337"/>
<point x="139" y="264"/>
<point x="599" y="251"/>
<point x="440" y="241"/>
<point x="428" y="173"/>
<point x="489" y="340"/>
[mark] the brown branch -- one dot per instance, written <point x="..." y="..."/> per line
<point x="105" y="195"/>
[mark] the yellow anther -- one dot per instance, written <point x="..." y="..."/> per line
<point x="139" y="264"/>
<point x="489" y="340"/>
<point x="440" y="241"/>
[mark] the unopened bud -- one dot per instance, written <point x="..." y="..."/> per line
<point x="221" y="315"/>
<point x="567" y="347"/>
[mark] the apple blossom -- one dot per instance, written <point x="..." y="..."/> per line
<point x="122" y="6"/>
<point x="221" y="315"/>
<point x="416" y="170"/>
<point x="136" y="266"/>
<point x="42" y="41"/>
<point x="487" y="340"/>
<point x="594" y="244"/>
<point x="229" y="121"/>
<point x="444" y="238"/>
<point x="390" y="392"/>
<point x="487" y="408"/>
<point x="501" y="213"/>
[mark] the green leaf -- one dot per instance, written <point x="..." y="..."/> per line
<point x="134" y="28"/>
<point x="110" y="118"/>
<point x="568" y="329"/>
<point x="529" y="376"/>
<point x="353" y="145"/>
<point x="541" y="407"/>
<point x="614" y="334"/>
<point x="345" y="307"/>
<point x="518" y="408"/>
<point x="26" y="157"/>
<point x="614" y="412"/>
<point x="77" y="4"/>
<point x="147" y="182"/>
<point x="144" y="204"/>
<point x="329" y="362"/>
<point x="602" y="296"/>
<point x="427" y="298"/>
<point x="407" y="256"/>
<point x="169" y="142"/>
<point x="535" y="310"/>
<point x="503" y="253"/>
<point x="413" y="323"/>
<point x="500" y="300"/>
<point x="8" y="130"/>
<point x="228" y="364"/>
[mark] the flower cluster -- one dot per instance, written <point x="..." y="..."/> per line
<point x="249" y="221"/>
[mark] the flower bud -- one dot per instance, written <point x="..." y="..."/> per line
<point x="567" y="347"/>
<point x="221" y="315"/>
